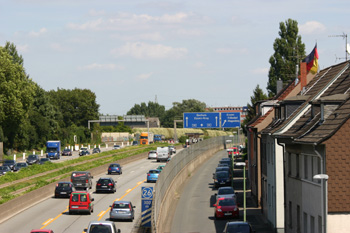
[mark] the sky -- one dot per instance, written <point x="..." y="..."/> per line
<point x="129" y="52"/>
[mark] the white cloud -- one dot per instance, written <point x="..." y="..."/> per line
<point x="224" y="50"/>
<point x="144" y="76"/>
<point x="95" y="66"/>
<point x="198" y="64"/>
<point x="260" y="71"/>
<point x="312" y="27"/>
<point x="143" y="51"/>
<point x="39" y="33"/>
<point x="22" y="48"/>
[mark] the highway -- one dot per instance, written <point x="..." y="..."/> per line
<point x="53" y="214"/>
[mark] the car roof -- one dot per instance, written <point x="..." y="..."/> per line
<point x="101" y="222"/>
<point x="238" y="223"/>
<point x="154" y="170"/>
<point x="83" y="192"/>
<point x="118" y="202"/>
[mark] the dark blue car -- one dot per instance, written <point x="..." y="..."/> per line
<point x="222" y="178"/>
<point x="114" y="168"/>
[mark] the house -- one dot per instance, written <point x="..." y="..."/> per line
<point x="309" y="136"/>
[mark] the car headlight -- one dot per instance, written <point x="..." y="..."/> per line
<point x="235" y="209"/>
<point x="219" y="210"/>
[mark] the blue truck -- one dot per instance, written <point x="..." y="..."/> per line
<point x="53" y="149"/>
<point x="158" y="138"/>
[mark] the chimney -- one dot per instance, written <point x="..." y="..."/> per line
<point x="279" y="86"/>
<point x="302" y="77"/>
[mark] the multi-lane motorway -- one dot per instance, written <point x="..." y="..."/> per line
<point x="53" y="214"/>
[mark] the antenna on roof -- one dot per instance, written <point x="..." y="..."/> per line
<point x="345" y="36"/>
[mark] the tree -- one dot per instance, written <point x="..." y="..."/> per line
<point x="176" y="112"/>
<point x="288" y="51"/>
<point x="258" y="95"/>
<point x="150" y="110"/>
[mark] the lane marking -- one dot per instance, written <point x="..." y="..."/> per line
<point x="129" y="190"/>
<point x="101" y="213"/>
<point x="54" y="219"/>
<point x="49" y="220"/>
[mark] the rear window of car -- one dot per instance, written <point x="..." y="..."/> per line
<point x="153" y="171"/>
<point x="227" y="202"/>
<point x="64" y="185"/>
<point x="79" y="176"/>
<point x="100" y="228"/>
<point x="104" y="181"/>
<point x="79" y="197"/>
<point x="114" y="165"/>
<point x="225" y="191"/>
<point x="121" y="205"/>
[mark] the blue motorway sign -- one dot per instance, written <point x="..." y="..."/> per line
<point x="146" y="192"/>
<point x="230" y="119"/>
<point x="202" y="120"/>
<point x="146" y="212"/>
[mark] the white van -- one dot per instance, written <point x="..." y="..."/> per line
<point x="163" y="153"/>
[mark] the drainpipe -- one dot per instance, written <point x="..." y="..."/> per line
<point x="323" y="206"/>
<point x="283" y="145"/>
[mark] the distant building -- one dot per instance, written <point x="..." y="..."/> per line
<point x="242" y="110"/>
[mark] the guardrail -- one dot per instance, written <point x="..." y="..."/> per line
<point x="173" y="177"/>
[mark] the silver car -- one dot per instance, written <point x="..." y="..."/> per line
<point x="121" y="210"/>
<point x="152" y="154"/>
<point x="227" y="192"/>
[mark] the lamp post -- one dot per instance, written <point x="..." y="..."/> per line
<point x="232" y="161"/>
<point x="244" y="193"/>
<point x="324" y="198"/>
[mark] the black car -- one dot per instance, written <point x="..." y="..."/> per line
<point x="228" y="162"/>
<point x="106" y="185"/>
<point x="96" y="150"/>
<point x="222" y="178"/>
<point x="226" y="168"/>
<point x="64" y="189"/>
<point x="44" y="160"/>
<point x="84" y="152"/>
<point x="243" y="227"/>
<point x="19" y="165"/>
<point x="67" y="152"/>
<point x="10" y="163"/>
<point x="32" y="159"/>
<point x="4" y="170"/>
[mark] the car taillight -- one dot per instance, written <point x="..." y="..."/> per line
<point x="71" y="180"/>
<point x="56" y="185"/>
<point x="110" y="184"/>
<point x="148" y="174"/>
<point x="87" y="181"/>
<point x="109" y="169"/>
<point x="98" y="184"/>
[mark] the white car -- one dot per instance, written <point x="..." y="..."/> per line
<point x="116" y="147"/>
<point x="152" y="154"/>
<point x="102" y="226"/>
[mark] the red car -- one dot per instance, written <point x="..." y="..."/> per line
<point x="41" y="231"/>
<point x="226" y="208"/>
<point x="81" y="201"/>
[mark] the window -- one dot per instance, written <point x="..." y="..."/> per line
<point x="289" y="164"/>
<point x="312" y="224"/>
<point x="319" y="224"/>
<point x="298" y="219"/>
<point x="305" y="222"/>
<point x="297" y="165"/>
<point x="290" y="215"/>
<point x="306" y="167"/>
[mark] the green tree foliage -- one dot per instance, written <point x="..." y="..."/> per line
<point x="258" y="95"/>
<point x="16" y="96"/>
<point x="149" y="110"/>
<point x="289" y="49"/>
<point x="176" y="112"/>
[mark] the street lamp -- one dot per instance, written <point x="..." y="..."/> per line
<point x="244" y="193"/>
<point x="233" y="164"/>
<point x="324" y="207"/>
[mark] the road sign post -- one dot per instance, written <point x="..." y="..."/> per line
<point x="146" y="206"/>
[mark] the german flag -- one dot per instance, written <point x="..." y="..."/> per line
<point x="312" y="61"/>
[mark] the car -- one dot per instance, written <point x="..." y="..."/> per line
<point x="226" y="208"/>
<point x="82" y="148"/>
<point x="81" y="179"/>
<point x="64" y="189"/>
<point x="116" y="147"/>
<point x="81" y="202"/>
<point x="96" y="150"/>
<point x="20" y="165"/>
<point x="172" y="149"/>
<point x="121" y="210"/>
<point x="227" y="191"/>
<point x="101" y="226"/>
<point x="168" y="160"/>
<point x="152" y="154"/>
<point x="106" y="185"/>
<point x="41" y="231"/>
<point x="10" y="163"/>
<point x="223" y="165"/>
<point x="239" y="226"/>
<point x="225" y="168"/>
<point x="84" y="152"/>
<point x="4" y="170"/>
<point x="114" y="168"/>
<point x="152" y="175"/>
<point x="228" y="162"/>
<point x="222" y="178"/>
<point x="135" y="143"/>
<point x="33" y="159"/>
<point x="160" y="167"/>
<point x="44" y="160"/>
<point x="67" y="152"/>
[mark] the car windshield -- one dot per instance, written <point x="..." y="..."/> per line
<point x="9" y="162"/>
<point x="21" y="165"/>
<point x="222" y="174"/>
<point x="32" y="157"/>
<point x="225" y="191"/>
<point x="121" y="205"/>
<point x="227" y="202"/>
<point x="100" y="228"/>
<point x="4" y="167"/>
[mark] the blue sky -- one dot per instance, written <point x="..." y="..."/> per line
<point x="128" y="52"/>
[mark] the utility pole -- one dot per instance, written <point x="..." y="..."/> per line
<point x="345" y="36"/>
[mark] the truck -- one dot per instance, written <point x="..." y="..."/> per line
<point x="163" y="153"/>
<point x="146" y="138"/>
<point x="158" y="137"/>
<point x="53" y="149"/>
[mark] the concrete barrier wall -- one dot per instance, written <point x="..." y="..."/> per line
<point x="14" y="206"/>
<point x="173" y="177"/>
